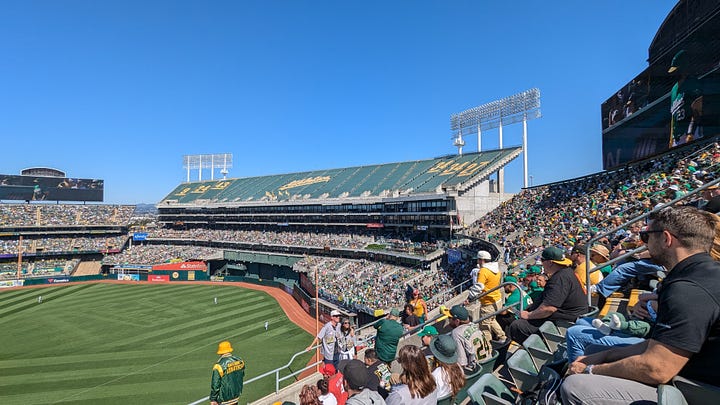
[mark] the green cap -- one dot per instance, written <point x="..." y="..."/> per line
<point x="510" y="279"/>
<point x="428" y="331"/>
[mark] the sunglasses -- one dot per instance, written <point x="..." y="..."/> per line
<point x="645" y="235"/>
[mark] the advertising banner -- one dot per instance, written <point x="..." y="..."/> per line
<point x="454" y="256"/>
<point x="11" y="283"/>
<point x="154" y="278"/>
<point x="140" y="236"/>
<point x="128" y="277"/>
<point x="182" y="266"/>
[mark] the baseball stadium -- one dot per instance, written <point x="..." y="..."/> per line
<point x="105" y="303"/>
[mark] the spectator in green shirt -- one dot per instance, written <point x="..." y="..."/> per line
<point x="389" y="331"/>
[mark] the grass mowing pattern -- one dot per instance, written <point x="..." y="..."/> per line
<point x="141" y="343"/>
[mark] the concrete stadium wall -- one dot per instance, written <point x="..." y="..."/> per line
<point x="478" y="201"/>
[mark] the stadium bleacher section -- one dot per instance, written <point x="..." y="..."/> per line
<point x="417" y="177"/>
<point x="563" y="213"/>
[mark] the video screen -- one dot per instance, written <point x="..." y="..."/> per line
<point x="35" y="188"/>
<point x="664" y="107"/>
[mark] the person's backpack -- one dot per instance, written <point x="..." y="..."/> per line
<point x="545" y="391"/>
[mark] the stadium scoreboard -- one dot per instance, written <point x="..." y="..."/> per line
<point x="39" y="188"/>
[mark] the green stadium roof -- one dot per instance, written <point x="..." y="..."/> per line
<point x="431" y="176"/>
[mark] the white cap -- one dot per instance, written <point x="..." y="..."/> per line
<point x="484" y="255"/>
<point x="335" y="312"/>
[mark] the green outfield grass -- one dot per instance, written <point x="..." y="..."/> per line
<point x="133" y="344"/>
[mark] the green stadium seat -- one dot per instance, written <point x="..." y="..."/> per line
<point x="486" y="366"/>
<point x="490" y="384"/>
<point x="669" y="395"/>
<point x="696" y="392"/>
<point x="522" y="370"/>
<point x="448" y="400"/>
<point x="551" y="335"/>
<point x="538" y="350"/>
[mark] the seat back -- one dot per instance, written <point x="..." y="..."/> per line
<point x="669" y="395"/>
<point x="490" y="384"/>
<point x="488" y="364"/>
<point x="696" y="392"/>
<point x="447" y="400"/>
<point x="538" y="351"/>
<point x="522" y="370"/>
<point x="551" y="335"/>
<point x="490" y="399"/>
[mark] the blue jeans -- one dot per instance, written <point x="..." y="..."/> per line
<point x="582" y="335"/>
<point x="622" y="274"/>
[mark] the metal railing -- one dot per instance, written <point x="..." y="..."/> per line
<point x="410" y="332"/>
<point x="641" y="249"/>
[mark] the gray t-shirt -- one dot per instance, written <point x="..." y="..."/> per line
<point x="400" y="395"/>
<point x="328" y="336"/>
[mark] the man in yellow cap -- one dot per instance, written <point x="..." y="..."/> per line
<point x="227" y="377"/>
<point x="562" y="299"/>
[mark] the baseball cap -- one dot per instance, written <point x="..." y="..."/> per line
<point x="335" y="312"/>
<point x="510" y="279"/>
<point x="395" y="312"/>
<point x="679" y="61"/>
<point x="459" y="312"/>
<point x="356" y="374"/>
<point x="482" y="254"/>
<point x="327" y="369"/>
<point x="428" y="331"/>
<point x="556" y="255"/>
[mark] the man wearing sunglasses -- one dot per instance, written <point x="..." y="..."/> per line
<point x="328" y="335"/>
<point x="686" y="338"/>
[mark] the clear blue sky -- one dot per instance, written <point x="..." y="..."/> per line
<point x="121" y="90"/>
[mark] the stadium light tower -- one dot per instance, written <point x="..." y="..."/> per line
<point x="199" y="162"/>
<point x="519" y="107"/>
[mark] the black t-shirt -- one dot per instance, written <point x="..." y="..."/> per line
<point x="689" y="315"/>
<point x="410" y="320"/>
<point x="564" y="292"/>
<point x="374" y="376"/>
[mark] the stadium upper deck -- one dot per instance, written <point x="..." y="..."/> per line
<point x="437" y="190"/>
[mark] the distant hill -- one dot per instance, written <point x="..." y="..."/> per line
<point x="142" y="209"/>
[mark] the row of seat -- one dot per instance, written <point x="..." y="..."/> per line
<point x="526" y="370"/>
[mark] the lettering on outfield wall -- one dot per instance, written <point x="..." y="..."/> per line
<point x="305" y="182"/>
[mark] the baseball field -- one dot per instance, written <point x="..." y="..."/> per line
<point x="137" y="343"/>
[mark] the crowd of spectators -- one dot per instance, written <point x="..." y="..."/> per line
<point x="156" y="254"/>
<point x="39" y="268"/>
<point x="563" y="213"/>
<point x="64" y="214"/>
<point x="367" y="286"/>
<point x="355" y="241"/>
<point x="51" y="244"/>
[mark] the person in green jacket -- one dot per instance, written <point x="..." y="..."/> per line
<point x="388" y="335"/>
<point x="227" y="377"/>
